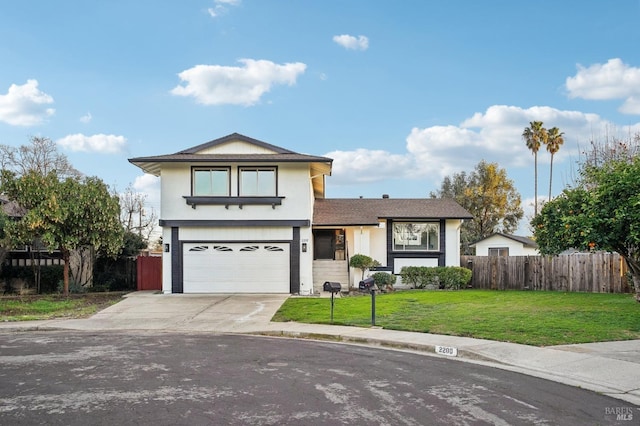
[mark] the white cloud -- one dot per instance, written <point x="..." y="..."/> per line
<point x="613" y="80"/>
<point x="25" y="105"/>
<point x="107" y="144"/>
<point x="496" y="136"/>
<point x="351" y="42"/>
<point x="219" y="85"/>
<point x="86" y="118"/>
<point x="221" y="6"/>
<point x="365" y="166"/>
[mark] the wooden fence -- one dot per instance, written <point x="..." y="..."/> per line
<point x="591" y="272"/>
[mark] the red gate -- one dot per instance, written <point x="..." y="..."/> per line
<point x="149" y="272"/>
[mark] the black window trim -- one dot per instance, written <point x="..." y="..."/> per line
<point x="257" y="168"/>
<point x="193" y="183"/>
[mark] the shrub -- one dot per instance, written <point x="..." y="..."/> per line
<point x="50" y="275"/>
<point x="384" y="280"/>
<point x="362" y="262"/>
<point x="455" y="277"/>
<point x="443" y="277"/>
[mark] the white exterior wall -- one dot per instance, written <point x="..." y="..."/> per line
<point x="306" y="262"/>
<point x="498" y="241"/>
<point x="452" y="242"/>
<point x="378" y="241"/>
<point x="398" y="263"/>
<point x="368" y="240"/>
<point x="293" y="182"/>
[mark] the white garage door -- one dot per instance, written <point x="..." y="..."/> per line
<point x="236" y="268"/>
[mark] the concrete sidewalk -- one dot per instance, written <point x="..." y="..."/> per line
<point x="611" y="368"/>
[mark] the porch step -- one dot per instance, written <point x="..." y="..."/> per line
<point x="330" y="270"/>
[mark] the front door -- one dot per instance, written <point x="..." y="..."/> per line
<point x="323" y="244"/>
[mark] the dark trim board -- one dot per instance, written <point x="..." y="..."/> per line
<point x="176" y="262"/>
<point x="233" y="201"/>
<point x="294" y="262"/>
<point x="226" y="223"/>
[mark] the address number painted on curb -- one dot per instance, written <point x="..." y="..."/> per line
<point x="447" y="350"/>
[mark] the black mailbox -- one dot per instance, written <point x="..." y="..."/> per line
<point x="331" y="286"/>
<point x="366" y="284"/>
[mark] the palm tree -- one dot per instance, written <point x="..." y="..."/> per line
<point x="554" y="141"/>
<point x="535" y="135"/>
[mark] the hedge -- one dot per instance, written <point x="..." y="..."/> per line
<point x="442" y="277"/>
<point x="50" y="276"/>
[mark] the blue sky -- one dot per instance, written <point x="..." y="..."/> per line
<point x="400" y="94"/>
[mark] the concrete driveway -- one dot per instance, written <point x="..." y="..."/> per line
<point x="221" y="313"/>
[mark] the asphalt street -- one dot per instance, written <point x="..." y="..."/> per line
<point x="99" y="378"/>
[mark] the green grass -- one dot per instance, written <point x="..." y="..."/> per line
<point x="531" y="318"/>
<point x="26" y="308"/>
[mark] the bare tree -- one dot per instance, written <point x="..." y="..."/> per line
<point x="134" y="216"/>
<point x="41" y="156"/>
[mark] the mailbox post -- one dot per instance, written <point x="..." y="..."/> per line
<point x="368" y="284"/>
<point x="333" y="288"/>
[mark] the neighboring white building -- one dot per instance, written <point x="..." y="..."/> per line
<point x="506" y="245"/>
<point x="239" y="215"/>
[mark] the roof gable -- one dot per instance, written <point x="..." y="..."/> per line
<point x="525" y="241"/>
<point x="235" y="143"/>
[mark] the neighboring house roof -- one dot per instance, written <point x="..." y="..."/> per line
<point x="11" y="208"/>
<point x="194" y="154"/>
<point x="526" y="241"/>
<point x="368" y="211"/>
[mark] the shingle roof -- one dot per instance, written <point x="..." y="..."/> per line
<point x="152" y="164"/>
<point x="526" y="241"/>
<point x="11" y="208"/>
<point x="367" y="211"/>
<point x="235" y="137"/>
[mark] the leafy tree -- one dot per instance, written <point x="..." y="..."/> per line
<point x="132" y="244"/>
<point x="554" y="141"/>
<point x="362" y="262"/>
<point x="41" y="156"/>
<point x="4" y="244"/>
<point x="601" y="212"/>
<point x="534" y="136"/>
<point x="64" y="214"/>
<point x="489" y="195"/>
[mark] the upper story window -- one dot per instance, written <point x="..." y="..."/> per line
<point x="257" y="181"/>
<point x="211" y="181"/>
<point x="416" y="236"/>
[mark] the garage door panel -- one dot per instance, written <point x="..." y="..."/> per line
<point x="236" y="268"/>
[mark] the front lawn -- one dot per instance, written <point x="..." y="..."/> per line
<point x="527" y="317"/>
<point x="41" y="307"/>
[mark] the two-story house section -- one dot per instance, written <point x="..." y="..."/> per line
<point x="236" y="216"/>
<point x="239" y="215"/>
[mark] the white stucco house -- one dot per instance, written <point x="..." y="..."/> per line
<point x="506" y="245"/>
<point x="239" y="215"/>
